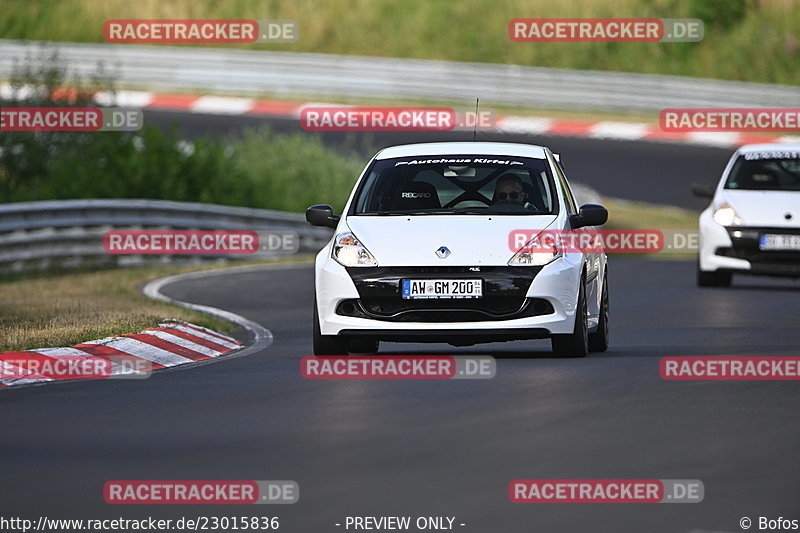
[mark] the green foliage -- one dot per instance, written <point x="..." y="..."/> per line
<point x="718" y="14"/>
<point x="262" y="169"/>
<point x="291" y="172"/>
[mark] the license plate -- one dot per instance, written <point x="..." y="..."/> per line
<point x="442" y="288"/>
<point x="779" y="242"/>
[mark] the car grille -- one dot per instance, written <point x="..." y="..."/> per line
<point x="531" y="307"/>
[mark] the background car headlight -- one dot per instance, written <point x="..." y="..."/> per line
<point x="724" y="215"/>
<point x="539" y="251"/>
<point x="349" y="252"/>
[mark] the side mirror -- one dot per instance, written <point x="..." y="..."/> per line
<point x="322" y="215"/>
<point x="590" y="215"/>
<point x="703" y="189"/>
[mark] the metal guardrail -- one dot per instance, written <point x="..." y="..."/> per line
<point x="246" y="72"/>
<point x="69" y="233"/>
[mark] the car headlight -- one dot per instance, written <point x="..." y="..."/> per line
<point x="539" y="251"/>
<point x="725" y="215"/>
<point x="349" y="252"/>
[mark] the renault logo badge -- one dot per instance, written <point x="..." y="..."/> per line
<point x="443" y="252"/>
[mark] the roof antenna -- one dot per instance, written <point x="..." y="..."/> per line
<point x="475" y="126"/>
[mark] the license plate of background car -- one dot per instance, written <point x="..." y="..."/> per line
<point x="779" y="242"/>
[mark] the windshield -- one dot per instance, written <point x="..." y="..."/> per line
<point x="456" y="185"/>
<point x="766" y="171"/>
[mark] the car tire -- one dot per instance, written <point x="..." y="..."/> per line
<point x="713" y="278"/>
<point x="575" y="344"/>
<point x="327" y="344"/>
<point x="598" y="341"/>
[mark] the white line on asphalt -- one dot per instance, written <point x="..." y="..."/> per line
<point x="262" y="337"/>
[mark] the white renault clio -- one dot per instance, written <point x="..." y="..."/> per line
<point x="752" y="225"/>
<point x="422" y="253"/>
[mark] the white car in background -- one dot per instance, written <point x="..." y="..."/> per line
<point x="752" y="225"/>
<point x="422" y="253"/>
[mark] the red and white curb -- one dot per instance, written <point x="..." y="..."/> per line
<point x="603" y="129"/>
<point x="631" y="131"/>
<point x="171" y="343"/>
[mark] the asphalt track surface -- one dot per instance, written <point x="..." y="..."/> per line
<point x="441" y="448"/>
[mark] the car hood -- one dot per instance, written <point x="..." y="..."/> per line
<point x="765" y="208"/>
<point x="414" y="240"/>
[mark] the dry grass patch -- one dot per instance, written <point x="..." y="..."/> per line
<point x="54" y="310"/>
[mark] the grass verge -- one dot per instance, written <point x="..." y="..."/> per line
<point x="53" y="310"/>
<point x="627" y="214"/>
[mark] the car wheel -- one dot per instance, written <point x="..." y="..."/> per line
<point x="327" y="344"/>
<point x="575" y="344"/>
<point x="713" y="278"/>
<point x="598" y="341"/>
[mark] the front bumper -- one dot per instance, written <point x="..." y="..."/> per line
<point x="518" y="303"/>
<point x="736" y="249"/>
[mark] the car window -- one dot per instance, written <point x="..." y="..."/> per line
<point x="753" y="172"/>
<point x="456" y="185"/>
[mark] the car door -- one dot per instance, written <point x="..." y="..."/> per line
<point x="592" y="258"/>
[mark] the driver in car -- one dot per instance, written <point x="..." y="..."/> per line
<point x="509" y="190"/>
